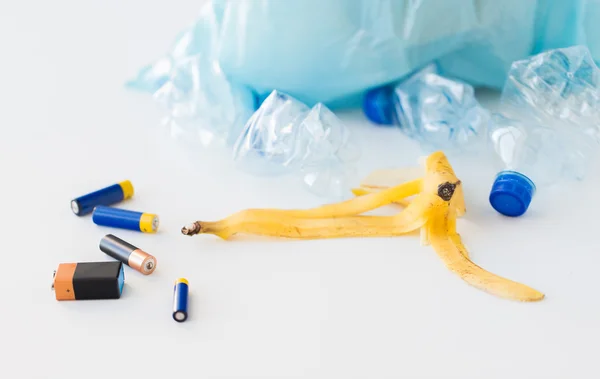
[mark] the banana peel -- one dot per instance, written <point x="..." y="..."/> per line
<point x="432" y="203"/>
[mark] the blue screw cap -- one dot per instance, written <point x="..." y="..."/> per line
<point x="378" y="106"/>
<point x="511" y="193"/>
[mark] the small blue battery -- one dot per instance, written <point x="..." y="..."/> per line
<point x="125" y="219"/>
<point x="180" y="300"/>
<point x="106" y="196"/>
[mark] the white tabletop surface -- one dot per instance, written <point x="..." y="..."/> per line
<point x="349" y="308"/>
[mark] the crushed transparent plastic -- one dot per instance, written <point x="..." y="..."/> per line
<point x="203" y="105"/>
<point x="440" y="113"/>
<point x="284" y="136"/>
<point x="550" y="123"/>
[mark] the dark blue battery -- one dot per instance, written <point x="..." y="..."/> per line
<point x="125" y="219"/>
<point x="106" y="196"/>
<point x="180" y="300"/>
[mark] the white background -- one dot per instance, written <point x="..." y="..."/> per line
<point x="363" y="308"/>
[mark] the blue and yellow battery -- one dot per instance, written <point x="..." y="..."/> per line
<point x="106" y="196"/>
<point x="180" y="300"/>
<point x="125" y="219"/>
<point x="88" y="281"/>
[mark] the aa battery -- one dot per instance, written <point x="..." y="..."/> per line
<point x="106" y="196"/>
<point x="125" y="252"/>
<point x="180" y="300"/>
<point x="88" y="281"/>
<point x="125" y="219"/>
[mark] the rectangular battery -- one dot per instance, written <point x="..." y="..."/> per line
<point x="89" y="281"/>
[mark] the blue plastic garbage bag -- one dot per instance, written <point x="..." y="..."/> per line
<point x="332" y="51"/>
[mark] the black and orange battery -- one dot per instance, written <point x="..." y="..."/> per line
<point x="88" y="281"/>
<point x="125" y="252"/>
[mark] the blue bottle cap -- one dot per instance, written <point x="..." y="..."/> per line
<point x="378" y="105"/>
<point x="511" y="193"/>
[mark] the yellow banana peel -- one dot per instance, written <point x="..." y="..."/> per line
<point x="431" y="204"/>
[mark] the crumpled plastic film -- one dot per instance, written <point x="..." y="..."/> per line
<point x="284" y="136"/>
<point x="201" y="102"/>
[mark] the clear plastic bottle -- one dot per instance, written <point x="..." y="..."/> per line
<point x="550" y="127"/>
<point x="527" y="160"/>
<point x="534" y="156"/>
<point x="438" y="112"/>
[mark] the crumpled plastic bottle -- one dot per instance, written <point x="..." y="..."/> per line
<point x="202" y="103"/>
<point x="284" y="136"/>
<point x="440" y="113"/>
<point x="549" y="128"/>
